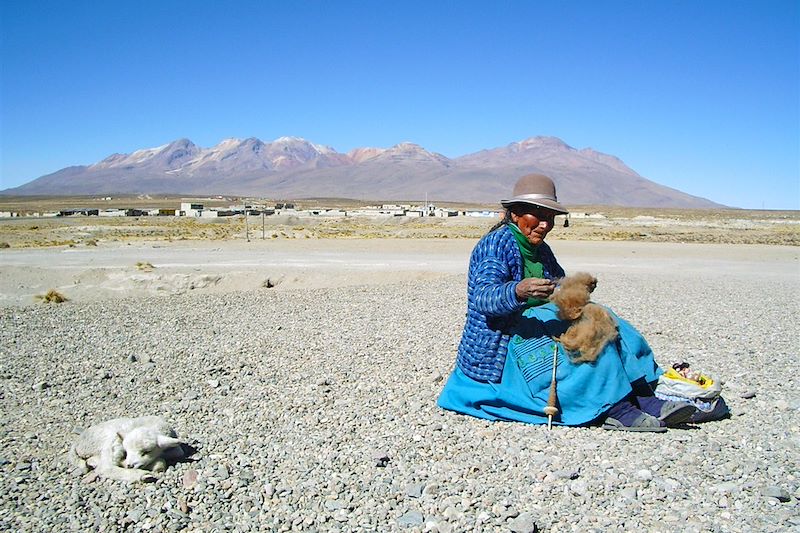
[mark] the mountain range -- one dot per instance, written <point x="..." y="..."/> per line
<point x="294" y="168"/>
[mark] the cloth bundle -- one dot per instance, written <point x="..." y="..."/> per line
<point x="700" y="390"/>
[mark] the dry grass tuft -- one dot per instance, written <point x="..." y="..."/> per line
<point x="4" y="245"/>
<point x="52" y="297"/>
<point x="144" y="266"/>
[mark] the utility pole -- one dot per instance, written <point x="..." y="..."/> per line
<point x="262" y="224"/>
<point x="246" y="224"/>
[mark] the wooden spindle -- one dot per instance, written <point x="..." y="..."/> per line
<point x="551" y="410"/>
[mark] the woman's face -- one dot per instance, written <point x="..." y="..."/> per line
<point x="534" y="222"/>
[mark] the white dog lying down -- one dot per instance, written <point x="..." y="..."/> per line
<point x="128" y="449"/>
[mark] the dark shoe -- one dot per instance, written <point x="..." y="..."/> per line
<point x="719" y="411"/>
<point x="670" y="412"/>
<point x="676" y="413"/>
<point x="624" y="416"/>
<point x="644" y="422"/>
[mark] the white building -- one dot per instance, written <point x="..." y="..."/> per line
<point x="376" y="212"/>
<point x="189" y="209"/>
<point x="482" y="214"/>
<point x="111" y="213"/>
<point x="327" y="213"/>
<point x="587" y="215"/>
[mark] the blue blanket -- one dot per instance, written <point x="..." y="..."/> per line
<point x="585" y="390"/>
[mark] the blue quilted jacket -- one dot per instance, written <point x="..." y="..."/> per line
<point x="495" y="268"/>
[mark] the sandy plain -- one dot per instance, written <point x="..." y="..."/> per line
<point x="143" y="268"/>
<point x="92" y="258"/>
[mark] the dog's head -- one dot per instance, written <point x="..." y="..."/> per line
<point x="145" y="445"/>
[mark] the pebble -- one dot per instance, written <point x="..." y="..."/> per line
<point x="782" y="405"/>
<point x="431" y="489"/>
<point x="567" y="473"/>
<point x="727" y="488"/>
<point x="190" y="478"/>
<point x="578" y="487"/>
<point x="411" y="518"/>
<point x="134" y="515"/>
<point x="330" y="422"/>
<point x="340" y="515"/>
<point x="415" y="490"/>
<point x="524" y="523"/>
<point x="777" y="492"/>
<point x="380" y="458"/>
<point x="451" y="513"/>
<point x="222" y="473"/>
<point x="333" y="505"/>
<point x="436" y="525"/>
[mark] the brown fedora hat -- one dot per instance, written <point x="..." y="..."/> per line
<point x="535" y="189"/>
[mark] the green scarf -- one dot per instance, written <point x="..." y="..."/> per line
<point x="532" y="266"/>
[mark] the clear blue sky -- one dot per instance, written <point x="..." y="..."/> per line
<point x="702" y="96"/>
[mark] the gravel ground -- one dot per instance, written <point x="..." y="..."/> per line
<point x="315" y="410"/>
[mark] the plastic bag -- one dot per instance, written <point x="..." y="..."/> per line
<point x="703" y="391"/>
<point x="671" y="383"/>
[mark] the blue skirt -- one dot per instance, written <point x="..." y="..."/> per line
<point x="585" y="390"/>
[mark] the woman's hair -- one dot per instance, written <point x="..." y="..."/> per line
<point x="503" y="222"/>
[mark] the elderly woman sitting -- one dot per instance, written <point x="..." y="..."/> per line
<point x="505" y="359"/>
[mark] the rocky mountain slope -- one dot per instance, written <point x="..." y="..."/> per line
<point x="291" y="167"/>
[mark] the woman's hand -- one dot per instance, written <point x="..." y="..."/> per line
<point x="535" y="288"/>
